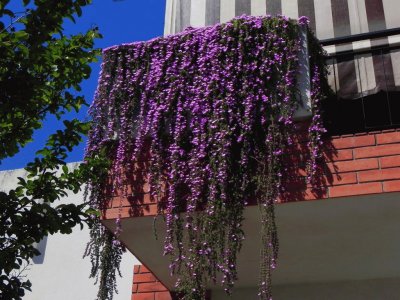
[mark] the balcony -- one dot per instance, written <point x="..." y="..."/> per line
<point x="351" y="221"/>
<point x="339" y="236"/>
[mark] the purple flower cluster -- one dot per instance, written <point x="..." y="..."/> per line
<point x="214" y="106"/>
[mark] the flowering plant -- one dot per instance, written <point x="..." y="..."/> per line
<point x="214" y="106"/>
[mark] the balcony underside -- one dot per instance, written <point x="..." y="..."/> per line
<point x="325" y="241"/>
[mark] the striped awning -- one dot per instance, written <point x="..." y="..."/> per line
<point x="353" y="75"/>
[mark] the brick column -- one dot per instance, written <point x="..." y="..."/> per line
<point x="147" y="287"/>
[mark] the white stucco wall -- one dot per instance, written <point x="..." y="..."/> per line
<point x="60" y="272"/>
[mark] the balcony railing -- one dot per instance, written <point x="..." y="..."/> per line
<point x="358" y="105"/>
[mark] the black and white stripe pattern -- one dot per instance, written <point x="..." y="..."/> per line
<point x="352" y="76"/>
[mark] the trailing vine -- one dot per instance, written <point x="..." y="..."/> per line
<point x="214" y="106"/>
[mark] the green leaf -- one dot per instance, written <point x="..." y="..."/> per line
<point x="94" y="212"/>
<point x="21" y="35"/>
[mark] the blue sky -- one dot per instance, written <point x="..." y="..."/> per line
<point x="120" y="21"/>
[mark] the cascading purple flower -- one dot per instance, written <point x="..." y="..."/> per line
<point x="214" y="106"/>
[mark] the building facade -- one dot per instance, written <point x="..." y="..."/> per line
<point x="342" y="245"/>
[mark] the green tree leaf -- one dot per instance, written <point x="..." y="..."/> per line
<point x="41" y="70"/>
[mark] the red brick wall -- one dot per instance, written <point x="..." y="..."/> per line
<point x="375" y="164"/>
<point x="147" y="287"/>
<point x="354" y="165"/>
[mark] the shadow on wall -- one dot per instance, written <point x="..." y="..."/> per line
<point x="41" y="247"/>
<point x="136" y="195"/>
<point x="296" y="185"/>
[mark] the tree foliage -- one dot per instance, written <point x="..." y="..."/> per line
<point x="41" y="70"/>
